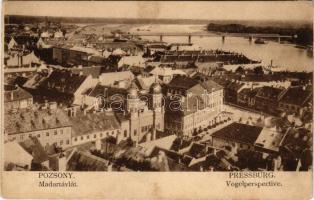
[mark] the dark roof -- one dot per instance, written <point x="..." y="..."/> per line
<point x="182" y="82"/>
<point x="268" y="92"/>
<point x="296" y="95"/>
<point x="16" y="95"/>
<point x="63" y="81"/>
<point x="237" y="132"/>
<point x="33" y="147"/>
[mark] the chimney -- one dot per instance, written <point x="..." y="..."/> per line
<point x="12" y="96"/>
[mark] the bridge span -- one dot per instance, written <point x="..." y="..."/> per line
<point x="251" y="36"/>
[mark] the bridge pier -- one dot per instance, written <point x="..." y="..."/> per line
<point x="190" y="39"/>
<point x="160" y="39"/>
<point x="223" y="39"/>
<point x="279" y="40"/>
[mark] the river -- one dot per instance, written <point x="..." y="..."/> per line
<point x="285" y="56"/>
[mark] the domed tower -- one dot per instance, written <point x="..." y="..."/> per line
<point x="157" y="107"/>
<point x="155" y="91"/>
<point x="132" y="99"/>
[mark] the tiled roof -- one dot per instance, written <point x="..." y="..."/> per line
<point x="16" y="95"/>
<point x="93" y="122"/>
<point x="29" y="120"/>
<point x="82" y="161"/>
<point x="237" y="132"/>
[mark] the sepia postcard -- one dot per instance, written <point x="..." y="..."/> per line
<point x="156" y="100"/>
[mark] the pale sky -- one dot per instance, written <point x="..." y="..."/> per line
<point x="291" y="10"/>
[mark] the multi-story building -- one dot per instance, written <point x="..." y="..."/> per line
<point x="50" y="126"/>
<point x="192" y="106"/>
<point x="266" y="99"/>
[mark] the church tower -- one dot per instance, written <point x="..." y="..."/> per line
<point x="157" y="107"/>
<point x="133" y="109"/>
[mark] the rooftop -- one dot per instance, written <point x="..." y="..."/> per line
<point x="182" y="82"/>
<point x="296" y="96"/>
<point x="63" y="81"/>
<point x="16" y="95"/>
<point x="238" y="132"/>
<point x="269" y="92"/>
<point x="93" y="122"/>
<point x="33" y="120"/>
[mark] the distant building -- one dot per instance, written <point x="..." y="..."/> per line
<point x="71" y="57"/>
<point x="166" y="74"/>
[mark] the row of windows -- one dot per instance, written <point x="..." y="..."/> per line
<point x="55" y="132"/>
<point x="61" y="142"/>
<point x="22" y="136"/>
<point x="94" y="136"/>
